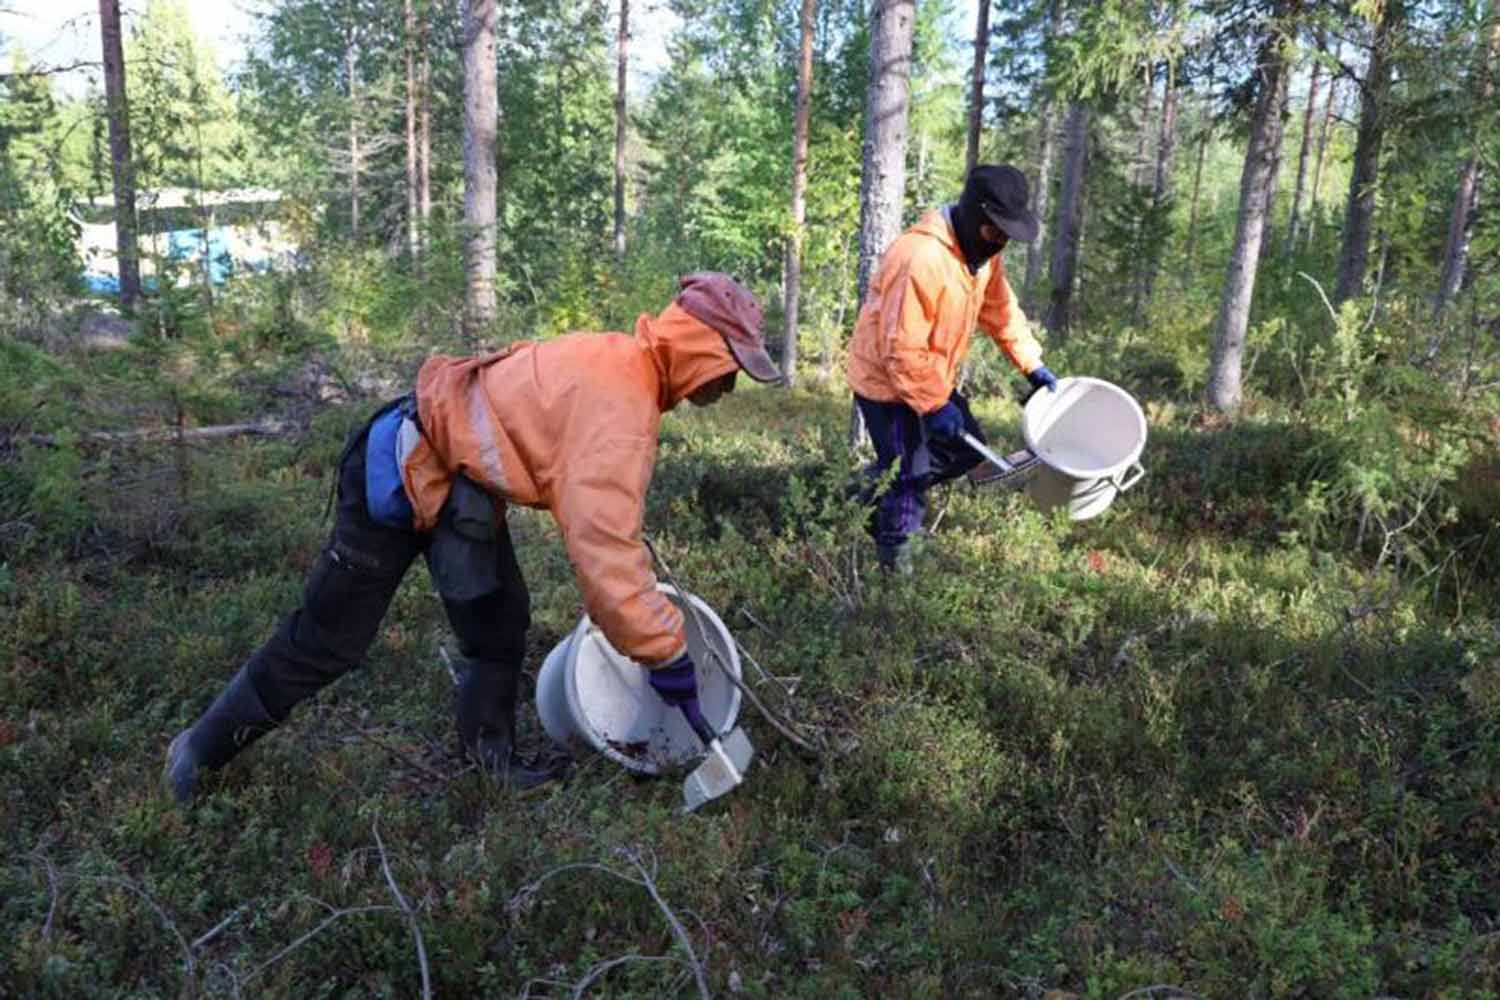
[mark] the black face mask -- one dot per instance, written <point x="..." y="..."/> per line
<point x="967" y="218"/>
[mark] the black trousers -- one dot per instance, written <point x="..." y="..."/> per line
<point x="350" y="587"/>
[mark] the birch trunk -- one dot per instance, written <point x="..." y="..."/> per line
<point x="122" y="162"/>
<point x="481" y="115"/>
<point x="1359" y="214"/>
<point x="1261" y="157"/>
<point x="976" y="95"/>
<point x="793" y="291"/>
<point x="1069" y="221"/>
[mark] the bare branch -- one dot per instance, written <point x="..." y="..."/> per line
<point x="682" y="936"/>
<point x="336" y="915"/>
<point x="406" y="910"/>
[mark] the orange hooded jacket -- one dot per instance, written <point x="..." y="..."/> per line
<point x="570" y="425"/>
<point x="913" y="332"/>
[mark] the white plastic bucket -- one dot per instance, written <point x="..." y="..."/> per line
<point x="1089" y="435"/>
<point x="592" y="697"/>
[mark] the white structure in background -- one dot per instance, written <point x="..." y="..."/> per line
<point x="242" y="232"/>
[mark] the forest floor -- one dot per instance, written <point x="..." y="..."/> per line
<point x="1211" y="744"/>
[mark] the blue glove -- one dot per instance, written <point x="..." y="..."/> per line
<point x="944" y="423"/>
<point x="676" y="683"/>
<point x="1042" y="378"/>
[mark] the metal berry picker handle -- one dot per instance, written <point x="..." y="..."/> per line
<point x="986" y="453"/>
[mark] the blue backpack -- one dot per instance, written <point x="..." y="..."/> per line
<point x="385" y="494"/>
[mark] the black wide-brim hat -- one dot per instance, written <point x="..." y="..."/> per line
<point x="1000" y="192"/>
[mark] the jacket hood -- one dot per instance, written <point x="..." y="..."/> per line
<point x="685" y="351"/>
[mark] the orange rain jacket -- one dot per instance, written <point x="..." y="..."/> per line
<point x="913" y="332"/>
<point x="570" y="425"/>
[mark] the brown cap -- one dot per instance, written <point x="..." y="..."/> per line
<point x="727" y="306"/>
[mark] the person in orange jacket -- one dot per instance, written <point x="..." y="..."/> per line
<point x="568" y="425"/>
<point x="937" y="281"/>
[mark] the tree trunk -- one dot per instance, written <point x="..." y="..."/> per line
<point x="1294" y="224"/>
<point x="121" y="160"/>
<point x="412" y="194"/>
<point x="1069" y="221"/>
<point x="1036" y="250"/>
<point x="976" y="96"/>
<point x="481" y="115"/>
<point x="1166" y="144"/>
<point x="793" y="290"/>
<point x="622" y="63"/>
<point x="1140" y="277"/>
<point x="1192" y="238"/>
<point x="1143" y="165"/>
<point x="1273" y="180"/>
<point x="350" y="67"/>
<point x="1261" y="157"/>
<point x="883" y="178"/>
<point x="1456" y="247"/>
<point x="1317" y="184"/>
<point x="882" y="181"/>
<point x="424" y="128"/>
<point x="1359" y="214"/>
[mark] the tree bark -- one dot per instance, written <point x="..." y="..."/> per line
<point x="882" y="181"/>
<point x="622" y="63"/>
<point x="883" y="178"/>
<point x="1456" y="247"/>
<point x="976" y="95"/>
<point x="793" y="290"/>
<point x="1069" y="221"/>
<point x="122" y="162"/>
<point x="1359" y="214"/>
<point x="351" y="68"/>
<point x="424" y="128"/>
<point x="1273" y="180"/>
<point x="1317" y="184"/>
<point x="481" y="116"/>
<point x="1261" y="157"/>
<point x="1140" y="279"/>
<point x="1294" y="224"/>
<point x="1036" y="250"/>
<point x="412" y="194"/>
<point x="1192" y="237"/>
<point x="1166" y="144"/>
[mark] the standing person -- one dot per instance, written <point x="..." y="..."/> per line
<point x="569" y="425"/>
<point x="934" y="283"/>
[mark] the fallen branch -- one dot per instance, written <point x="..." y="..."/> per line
<point x="406" y="910"/>
<point x="336" y="915"/>
<point x="783" y="727"/>
<point x="646" y="880"/>
<point x="270" y="428"/>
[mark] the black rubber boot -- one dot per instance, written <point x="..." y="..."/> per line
<point x="485" y="709"/>
<point x="236" y="719"/>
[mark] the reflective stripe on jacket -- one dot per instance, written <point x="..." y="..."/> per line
<point x="570" y="425"/>
<point x="922" y="305"/>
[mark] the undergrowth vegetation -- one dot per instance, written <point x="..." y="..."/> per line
<point x="1240" y="736"/>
